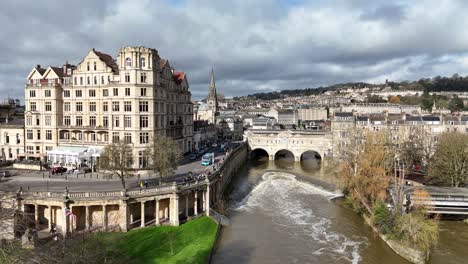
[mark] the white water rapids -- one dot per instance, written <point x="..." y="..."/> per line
<point x="290" y="204"/>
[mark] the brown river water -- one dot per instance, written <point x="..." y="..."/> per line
<point x="283" y="212"/>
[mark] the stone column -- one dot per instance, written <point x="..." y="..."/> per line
<point x="104" y="217"/>
<point x="207" y="206"/>
<point x="65" y="220"/>
<point x="272" y="157"/>
<point x="175" y="210"/>
<point x="142" y="214"/>
<point x="50" y="216"/>
<point x="186" y="206"/>
<point x="36" y="216"/>
<point x="203" y="204"/>
<point x="156" y="213"/>
<point x="87" y="227"/>
<point x="195" y="204"/>
<point x="297" y="158"/>
<point x="123" y="212"/>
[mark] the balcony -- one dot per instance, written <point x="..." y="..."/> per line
<point x="83" y="127"/>
<point x="74" y="142"/>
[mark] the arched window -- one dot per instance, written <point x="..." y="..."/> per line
<point x="95" y="67"/>
<point x="81" y="80"/>
<point x="128" y="62"/>
<point x="142" y="62"/>
<point x="87" y="66"/>
<point x="108" y="79"/>
<point x="95" y="79"/>
<point x="102" y="79"/>
<point x="89" y="80"/>
<point x="7" y="138"/>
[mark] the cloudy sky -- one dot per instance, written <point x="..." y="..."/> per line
<point x="254" y="46"/>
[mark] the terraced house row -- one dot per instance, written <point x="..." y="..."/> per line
<point x="72" y="112"/>
<point x="400" y="127"/>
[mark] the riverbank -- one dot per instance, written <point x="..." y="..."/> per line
<point x="411" y="254"/>
<point x="189" y="243"/>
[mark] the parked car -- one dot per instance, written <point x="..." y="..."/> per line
<point x="214" y="145"/>
<point x="4" y="174"/>
<point x="57" y="170"/>
<point x="193" y="157"/>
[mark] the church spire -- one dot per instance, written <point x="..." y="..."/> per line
<point x="212" y="99"/>
<point x="212" y="93"/>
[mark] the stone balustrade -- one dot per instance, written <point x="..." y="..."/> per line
<point x="164" y="204"/>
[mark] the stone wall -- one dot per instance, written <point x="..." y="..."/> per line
<point x="234" y="161"/>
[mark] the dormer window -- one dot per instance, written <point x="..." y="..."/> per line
<point x="95" y="67"/>
<point x="142" y="62"/>
<point x="87" y="66"/>
<point x="128" y="62"/>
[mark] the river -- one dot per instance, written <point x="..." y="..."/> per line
<point x="282" y="212"/>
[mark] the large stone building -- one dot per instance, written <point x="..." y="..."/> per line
<point x="132" y="98"/>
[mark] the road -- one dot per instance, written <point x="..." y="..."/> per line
<point x="37" y="181"/>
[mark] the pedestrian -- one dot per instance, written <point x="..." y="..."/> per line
<point x="53" y="232"/>
<point x="141" y="184"/>
<point x="146" y="184"/>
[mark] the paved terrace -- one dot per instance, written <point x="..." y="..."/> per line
<point x="37" y="181"/>
<point x="102" y="204"/>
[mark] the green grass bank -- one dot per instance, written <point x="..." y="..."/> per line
<point x="188" y="243"/>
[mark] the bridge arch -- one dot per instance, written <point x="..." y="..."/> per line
<point x="284" y="153"/>
<point x="310" y="154"/>
<point x="259" y="153"/>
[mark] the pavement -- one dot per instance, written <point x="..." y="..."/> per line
<point x="40" y="181"/>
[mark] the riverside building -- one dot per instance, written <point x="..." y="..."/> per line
<point x="80" y="109"/>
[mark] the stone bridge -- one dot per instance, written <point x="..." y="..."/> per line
<point x="297" y="142"/>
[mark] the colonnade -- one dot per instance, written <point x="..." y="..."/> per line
<point x="134" y="212"/>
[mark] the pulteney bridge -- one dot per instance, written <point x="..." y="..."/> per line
<point x="283" y="142"/>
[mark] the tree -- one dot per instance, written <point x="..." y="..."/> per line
<point x="394" y="100"/>
<point x="427" y="103"/>
<point x="164" y="155"/>
<point x="117" y="158"/>
<point x="364" y="170"/>
<point x="456" y="104"/>
<point x="417" y="148"/>
<point x="449" y="164"/>
<point x="417" y="230"/>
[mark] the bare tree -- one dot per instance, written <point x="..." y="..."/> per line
<point x="164" y="155"/>
<point x="117" y="158"/>
<point x="10" y="220"/>
<point x="449" y="165"/>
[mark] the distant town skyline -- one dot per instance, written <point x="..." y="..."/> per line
<point x="254" y="47"/>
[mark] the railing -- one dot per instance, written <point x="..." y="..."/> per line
<point x="86" y="142"/>
<point x="162" y="189"/>
<point x="84" y="127"/>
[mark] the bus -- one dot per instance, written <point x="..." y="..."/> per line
<point x="207" y="159"/>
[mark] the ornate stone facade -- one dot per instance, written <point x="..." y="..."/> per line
<point x="133" y="98"/>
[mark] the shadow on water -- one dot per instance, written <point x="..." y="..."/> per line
<point x="239" y="251"/>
